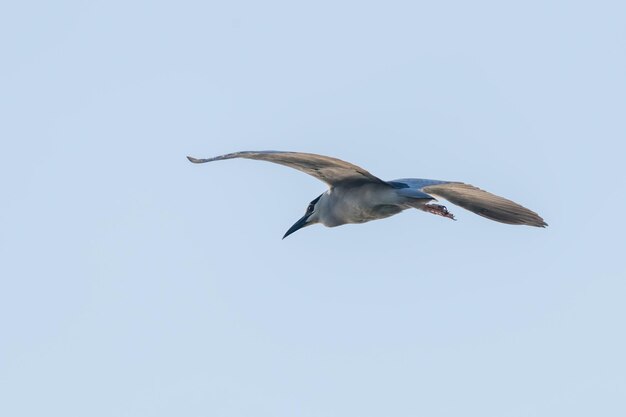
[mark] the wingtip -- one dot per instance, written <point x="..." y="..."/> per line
<point x="194" y="160"/>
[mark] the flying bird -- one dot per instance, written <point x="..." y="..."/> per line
<point x="356" y="196"/>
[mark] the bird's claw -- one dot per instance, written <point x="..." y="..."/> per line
<point x="439" y="210"/>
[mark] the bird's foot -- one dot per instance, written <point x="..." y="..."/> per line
<point x="439" y="210"/>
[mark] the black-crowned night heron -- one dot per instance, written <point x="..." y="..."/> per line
<point x="356" y="196"/>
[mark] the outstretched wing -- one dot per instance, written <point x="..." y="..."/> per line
<point x="485" y="204"/>
<point x="475" y="200"/>
<point x="332" y="171"/>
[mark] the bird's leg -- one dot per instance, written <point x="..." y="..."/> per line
<point x="438" y="209"/>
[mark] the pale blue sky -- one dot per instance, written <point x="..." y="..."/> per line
<point x="136" y="284"/>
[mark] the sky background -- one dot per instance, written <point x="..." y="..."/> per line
<point x="133" y="283"/>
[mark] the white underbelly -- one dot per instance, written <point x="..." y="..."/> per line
<point x="363" y="204"/>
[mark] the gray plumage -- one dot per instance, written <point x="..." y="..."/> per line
<point x="356" y="196"/>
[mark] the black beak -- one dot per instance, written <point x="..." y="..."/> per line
<point x="297" y="225"/>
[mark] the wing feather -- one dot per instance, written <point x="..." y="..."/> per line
<point x="485" y="204"/>
<point x="332" y="171"/>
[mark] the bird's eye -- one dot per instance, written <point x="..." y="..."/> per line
<point x="310" y="208"/>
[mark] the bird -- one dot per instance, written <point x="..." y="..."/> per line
<point x="355" y="196"/>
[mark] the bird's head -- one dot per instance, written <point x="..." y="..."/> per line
<point x="311" y="216"/>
